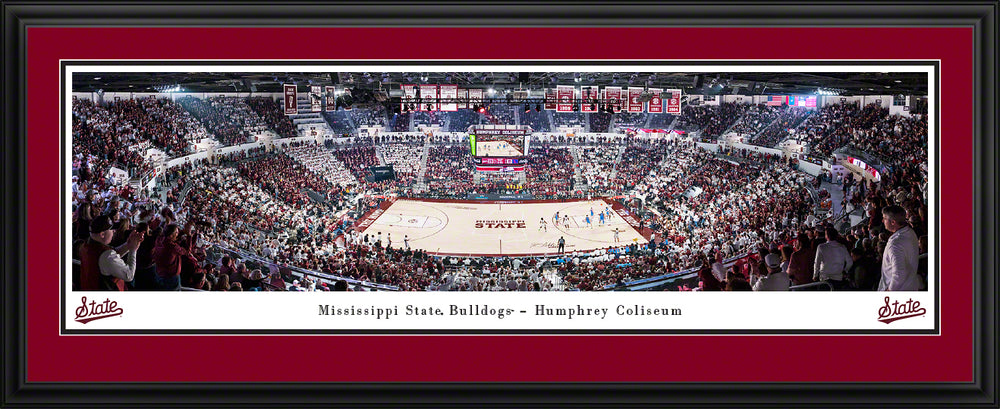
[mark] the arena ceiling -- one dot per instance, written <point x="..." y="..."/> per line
<point x="743" y="83"/>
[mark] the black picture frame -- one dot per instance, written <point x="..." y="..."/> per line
<point x="20" y="15"/>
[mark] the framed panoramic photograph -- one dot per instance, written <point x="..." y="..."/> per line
<point x="499" y="205"/>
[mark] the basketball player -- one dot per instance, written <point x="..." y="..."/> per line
<point x="406" y="242"/>
<point x="586" y="218"/>
<point x="616" y="235"/>
<point x="601" y="218"/>
<point x="566" y="221"/>
<point x="555" y="219"/>
<point x="542" y="225"/>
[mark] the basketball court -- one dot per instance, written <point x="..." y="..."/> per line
<point x="497" y="148"/>
<point x="484" y="228"/>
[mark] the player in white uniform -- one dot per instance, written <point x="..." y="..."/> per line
<point x="542" y="225"/>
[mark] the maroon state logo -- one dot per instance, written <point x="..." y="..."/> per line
<point x="94" y="311"/>
<point x="898" y="311"/>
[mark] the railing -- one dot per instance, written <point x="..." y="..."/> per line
<point x="302" y="271"/>
<point x="829" y="287"/>
<point x="77" y="263"/>
<point x="654" y="281"/>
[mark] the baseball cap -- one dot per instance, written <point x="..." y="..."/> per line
<point x="772" y="260"/>
<point x="100" y="223"/>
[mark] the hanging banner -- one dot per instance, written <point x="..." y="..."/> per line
<point x="463" y="99"/>
<point x="634" y="99"/>
<point x="409" y="97"/>
<point x="565" y="95"/>
<point x="590" y="97"/>
<point x="550" y="99"/>
<point x="316" y="98"/>
<point x="448" y="94"/>
<point x="475" y="96"/>
<point x="291" y="100"/>
<point x="331" y="99"/>
<point x="656" y="102"/>
<point x="429" y="98"/>
<point x="674" y="103"/>
<point x="775" y="100"/>
<point x="614" y="98"/>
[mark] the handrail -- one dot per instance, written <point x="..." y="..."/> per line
<point x="811" y="285"/>
<point x="300" y="270"/>
<point x="665" y="277"/>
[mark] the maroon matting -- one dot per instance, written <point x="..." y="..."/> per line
<point x="944" y="358"/>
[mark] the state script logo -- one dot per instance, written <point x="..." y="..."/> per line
<point x="897" y="311"/>
<point x="94" y="311"/>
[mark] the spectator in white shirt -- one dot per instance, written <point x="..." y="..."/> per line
<point x="775" y="280"/>
<point x="899" y="261"/>
<point x="832" y="258"/>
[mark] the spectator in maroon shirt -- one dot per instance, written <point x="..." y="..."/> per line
<point x="709" y="282"/>
<point x="168" y="256"/>
<point x="800" y="265"/>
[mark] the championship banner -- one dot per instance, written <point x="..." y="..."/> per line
<point x="428" y="95"/>
<point x="634" y="101"/>
<point x="656" y="102"/>
<point x="550" y="99"/>
<point x="463" y="99"/>
<point x="590" y="97"/>
<point x="674" y="103"/>
<point x="409" y="95"/>
<point x="316" y="98"/>
<point x="565" y="95"/>
<point x="448" y="93"/>
<point x="614" y="98"/>
<point x="291" y="102"/>
<point x="475" y="96"/>
<point x="331" y="99"/>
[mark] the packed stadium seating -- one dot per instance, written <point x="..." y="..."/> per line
<point x="283" y="177"/>
<point x="550" y="171"/>
<point x="338" y="122"/>
<point x="790" y="118"/>
<point x="600" y="122"/>
<point x="221" y="118"/>
<point x="296" y="205"/>
<point x="538" y="121"/>
<point x="271" y="112"/>
<point x="462" y="119"/>
<point x="569" y="119"/>
<point x="368" y="117"/>
<point x="449" y="170"/>
<point x="630" y="120"/>
<point x="756" y="118"/>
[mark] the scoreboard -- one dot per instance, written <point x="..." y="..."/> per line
<point x="499" y="148"/>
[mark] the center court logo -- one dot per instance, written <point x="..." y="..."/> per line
<point x="94" y="311"/>
<point x="500" y="224"/>
<point x="897" y="311"/>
